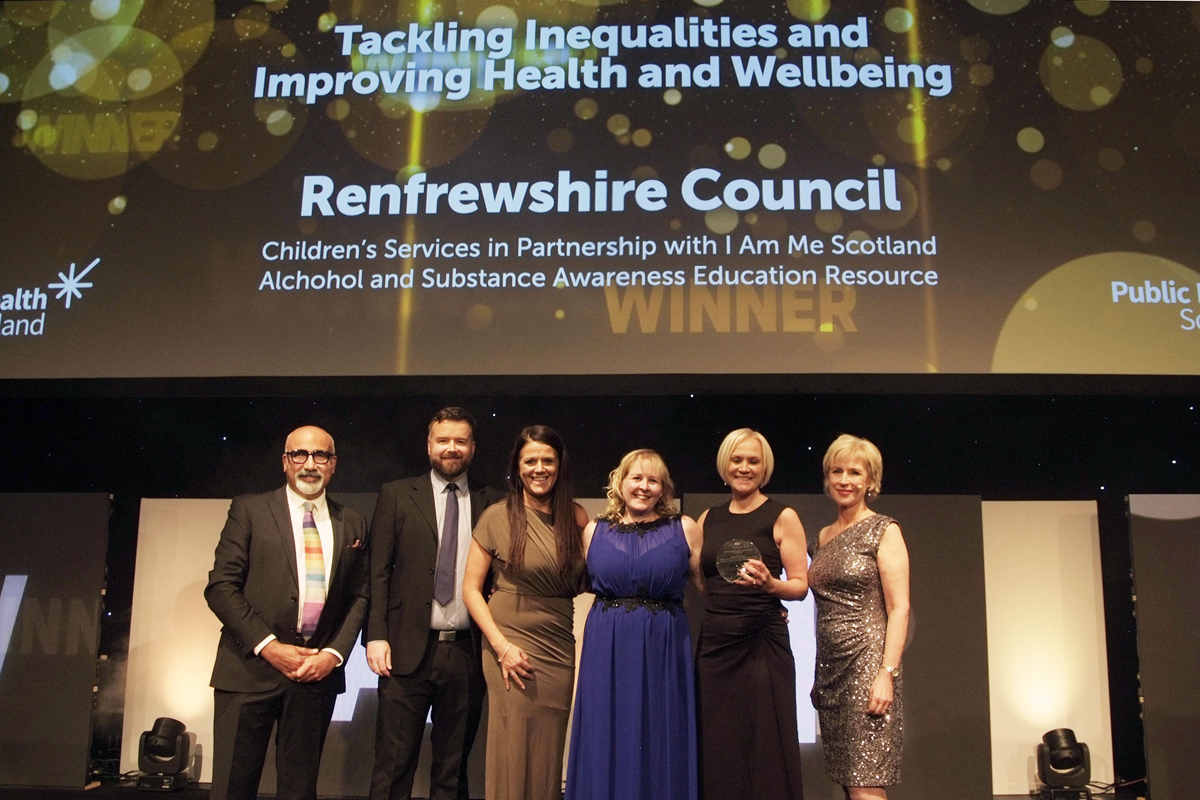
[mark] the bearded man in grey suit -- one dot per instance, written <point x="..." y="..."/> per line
<point x="289" y="584"/>
<point x="420" y="639"/>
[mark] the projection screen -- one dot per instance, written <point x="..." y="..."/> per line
<point x="525" y="188"/>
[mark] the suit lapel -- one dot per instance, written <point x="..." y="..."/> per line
<point x="478" y="503"/>
<point x="423" y="500"/>
<point x="339" y="535"/>
<point x="287" y="538"/>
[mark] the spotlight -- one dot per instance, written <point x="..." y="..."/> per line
<point x="163" y="756"/>
<point x="1064" y="766"/>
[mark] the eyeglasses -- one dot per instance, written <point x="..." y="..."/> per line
<point x="319" y="457"/>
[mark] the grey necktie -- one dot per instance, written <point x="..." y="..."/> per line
<point x="443" y="582"/>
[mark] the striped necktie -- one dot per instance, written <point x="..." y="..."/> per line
<point x="314" y="574"/>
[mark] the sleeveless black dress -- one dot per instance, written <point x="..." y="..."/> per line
<point x="745" y="674"/>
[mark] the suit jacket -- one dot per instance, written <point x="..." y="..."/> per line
<point x="254" y="590"/>
<point x="404" y="545"/>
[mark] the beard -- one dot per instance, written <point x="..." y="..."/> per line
<point x="450" y="468"/>
<point x="310" y="489"/>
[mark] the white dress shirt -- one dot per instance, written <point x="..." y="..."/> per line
<point x="295" y="502"/>
<point x="452" y="616"/>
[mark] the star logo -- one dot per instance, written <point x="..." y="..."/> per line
<point x="70" y="284"/>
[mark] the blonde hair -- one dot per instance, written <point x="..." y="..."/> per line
<point x="665" y="507"/>
<point x="847" y="446"/>
<point x="731" y="443"/>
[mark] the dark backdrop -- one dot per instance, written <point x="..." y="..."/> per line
<point x="52" y="550"/>
<point x="1166" y="549"/>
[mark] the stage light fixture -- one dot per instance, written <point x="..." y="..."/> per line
<point x="163" y="754"/>
<point x="1064" y="766"/>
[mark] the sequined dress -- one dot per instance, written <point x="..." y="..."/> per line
<point x="745" y="672"/>
<point x="860" y="749"/>
<point x="634" y="730"/>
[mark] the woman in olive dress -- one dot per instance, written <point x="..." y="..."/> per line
<point x="531" y="545"/>
<point x="859" y="577"/>
<point x="745" y="673"/>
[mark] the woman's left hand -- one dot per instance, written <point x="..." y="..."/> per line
<point x="882" y="694"/>
<point x="514" y="665"/>
<point x="755" y="573"/>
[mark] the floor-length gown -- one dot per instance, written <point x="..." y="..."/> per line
<point x="860" y="749"/>
<point x="634" y="733"/>
<point x="745" y="673"/>
<point x="527" y="729"/>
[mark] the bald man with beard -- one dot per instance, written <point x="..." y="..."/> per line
<point x="289" y="584"/>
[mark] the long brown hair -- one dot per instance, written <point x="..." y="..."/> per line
<point x="562" y="501"/>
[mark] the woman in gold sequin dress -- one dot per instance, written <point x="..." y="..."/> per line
<point x="859" y="577"/>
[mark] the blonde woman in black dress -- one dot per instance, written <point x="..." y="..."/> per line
<point x="859" y="578"/>
<point x="745" y="673"/>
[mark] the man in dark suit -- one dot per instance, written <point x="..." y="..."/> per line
<point x="289" y="584"/>
<point x="420" y="639"/>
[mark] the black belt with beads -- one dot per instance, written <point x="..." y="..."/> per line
<point x="608" y="602"/>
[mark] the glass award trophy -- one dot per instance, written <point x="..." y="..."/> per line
<point x="732" y="555"/>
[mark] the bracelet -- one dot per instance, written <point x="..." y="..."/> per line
<point x="500" y="660"/>
<point x="890" y="670"/>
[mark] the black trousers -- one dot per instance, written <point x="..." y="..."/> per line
<point x="242" y="725"/>
<point x="449" y="683"/>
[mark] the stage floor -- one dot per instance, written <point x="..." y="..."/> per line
<point x="127" y="791"/>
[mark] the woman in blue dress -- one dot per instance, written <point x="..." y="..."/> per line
<point x="634" y="730"/>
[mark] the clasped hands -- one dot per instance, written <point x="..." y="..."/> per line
<point x="300" y="664"/>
